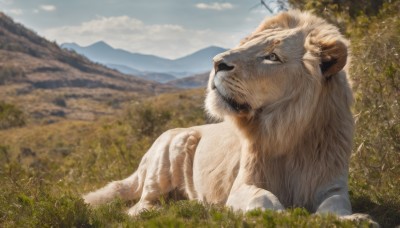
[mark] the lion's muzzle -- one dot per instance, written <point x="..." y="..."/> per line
<point x="217" y="84"/>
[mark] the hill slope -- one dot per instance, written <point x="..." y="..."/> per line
<point x="196" y="81"/>
<point x="34" y="71"/>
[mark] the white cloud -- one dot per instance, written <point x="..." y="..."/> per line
<point x="166" y="40"/>
<point x="48" y="8"/>
<point x="6" y="2"/>
<point x="215" y="6"/>
<point x="257" y="15"/>
<point x="16" y="12"/>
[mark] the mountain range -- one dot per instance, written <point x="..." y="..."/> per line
<point x="146" y="66"/>
<point x="46" y="80"/>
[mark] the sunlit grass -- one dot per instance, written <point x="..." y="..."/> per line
<point x="66" y="159"/>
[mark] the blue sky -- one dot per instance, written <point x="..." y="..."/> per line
<point x="168" y="28"/>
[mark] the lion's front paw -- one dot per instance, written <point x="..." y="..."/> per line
<point x="140" y="207"/>
<point x="264" y="202"/>
<point x="358" y="217"/>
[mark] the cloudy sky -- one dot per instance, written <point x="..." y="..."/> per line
<point x="167" y="28"/>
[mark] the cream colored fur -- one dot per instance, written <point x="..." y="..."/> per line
<point x="286" y="133"/>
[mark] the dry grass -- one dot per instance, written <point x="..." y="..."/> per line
<point x="44" y="169"/>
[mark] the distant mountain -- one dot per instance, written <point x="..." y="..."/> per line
<point x="153" y="76"/>
<point x="196" y="81"/>
<point x="199" y="61"/>
<point x="158" y="77"/>
<point x="124" y="69"/>
<point x="195" y="63"/>
<point x="103" y="53"/>
<point x="34" y="73"/>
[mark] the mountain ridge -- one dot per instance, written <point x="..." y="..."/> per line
<point x="188" y="65"/>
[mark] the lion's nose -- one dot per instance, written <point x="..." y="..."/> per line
<point x="222" y="66"/>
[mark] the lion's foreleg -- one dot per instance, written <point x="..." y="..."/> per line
<point x="334" y="197"/>
<point x="249" y="197"/>
<point x="339" y="204"/>
<point x="335" y="200"/>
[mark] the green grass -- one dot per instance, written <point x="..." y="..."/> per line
<point x="42" y="188"/>
<point x="29" y="201"/>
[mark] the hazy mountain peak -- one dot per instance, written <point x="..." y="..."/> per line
<point x="100" y="45"/>
<point x="208" y="52"/>
<point x="213" y="47"/>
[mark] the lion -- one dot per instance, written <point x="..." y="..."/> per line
<point x="285" y="137"/>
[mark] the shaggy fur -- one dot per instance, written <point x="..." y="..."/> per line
<point x="286" y="135"/>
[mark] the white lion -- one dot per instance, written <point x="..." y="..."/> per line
<point x="286" y="135"/>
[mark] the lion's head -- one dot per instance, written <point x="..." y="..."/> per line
<point x="288" y="56"/>
<point x="286" y="77"/>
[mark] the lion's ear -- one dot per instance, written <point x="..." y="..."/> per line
<point x="333" y="54"/>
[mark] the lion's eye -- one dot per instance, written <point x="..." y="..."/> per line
<point x="272" y="57"/>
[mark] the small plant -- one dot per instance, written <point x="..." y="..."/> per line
<point x="59" y="101"/>
<point x="10" y="116"/>
<point x="151" y="121"/>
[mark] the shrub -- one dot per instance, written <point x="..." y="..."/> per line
<point x="59" y="101"/>
<point x="149" y="121"/>
<point x="10" y="116"/>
